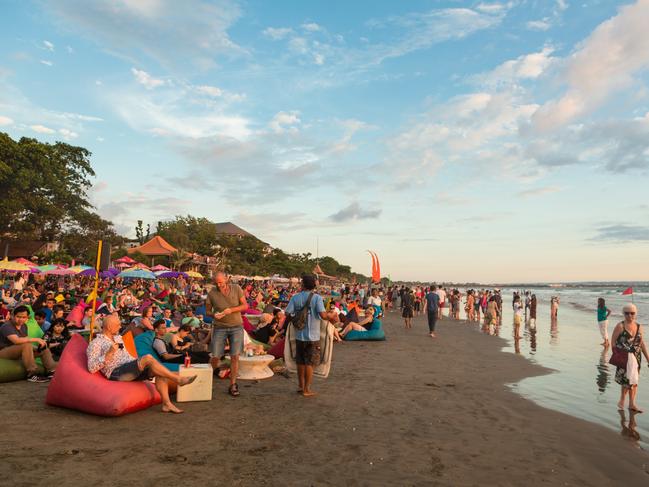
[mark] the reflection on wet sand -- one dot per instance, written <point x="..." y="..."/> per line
<point x="629" y="429"/>
<point x="554" y="331"/>
<point x="603" y="377"/>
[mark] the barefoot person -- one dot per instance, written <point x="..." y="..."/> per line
<point x="106" y="353"/>
<point x="432" y="303"/>
<point x="602" y="320"/>
<point x="307" y="340"/>
<point x="225" y="302"/>
<point x="627" y="336"/>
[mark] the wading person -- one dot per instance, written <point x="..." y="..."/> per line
<point x="307" y="340"/>
<point x="225" y="302"/>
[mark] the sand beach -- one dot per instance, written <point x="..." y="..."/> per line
<point x="407" y="411"/>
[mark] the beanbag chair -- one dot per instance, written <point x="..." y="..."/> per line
<point x="375" y="333"/>
<point x="277" y="350"/>
<point x="11" y="370"/>
<point x="247" y="325"/>
<point x="144" y="346"/>
<point x="252" y="311"/>
<point x="76" y="315"/>
<point x="73" y="387"/>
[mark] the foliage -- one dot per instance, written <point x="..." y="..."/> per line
<point x="58" y="257"/>
<point x="196" y="235"/>
<point x="43" y="187"/>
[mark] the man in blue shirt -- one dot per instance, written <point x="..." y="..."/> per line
<point x="432" y="301"/>
<point x="307" y="340"/>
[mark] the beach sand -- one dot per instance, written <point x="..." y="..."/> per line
<point x="407" y="411"/>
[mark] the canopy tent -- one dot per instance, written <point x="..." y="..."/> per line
<point x="156" y="246"/>
<point x="26" y="262"/>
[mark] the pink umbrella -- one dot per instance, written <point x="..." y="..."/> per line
<point x="60" y="272"/>
<point x="125" y="260"/>
<point x="122" y="265"/>
<point x="159" y="267"/>
<point x="25" y="262"/>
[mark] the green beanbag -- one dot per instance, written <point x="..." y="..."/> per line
<point x="375" y="333"/>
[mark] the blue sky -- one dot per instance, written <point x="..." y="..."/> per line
<point x="486" y="141"/>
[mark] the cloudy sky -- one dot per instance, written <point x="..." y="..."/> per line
<point x="460" y="140"/>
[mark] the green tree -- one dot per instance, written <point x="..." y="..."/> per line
<point x="43" y="186"/>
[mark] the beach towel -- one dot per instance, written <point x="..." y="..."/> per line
<point x="326" y="349"/>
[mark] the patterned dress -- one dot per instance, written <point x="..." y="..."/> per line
<point x="631" y="344"/>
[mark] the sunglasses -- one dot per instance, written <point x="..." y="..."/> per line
<point x="630" y="313"/>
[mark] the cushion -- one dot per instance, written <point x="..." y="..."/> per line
<point x="375" y="333"/>
<point x="76" y="315"/>
<point x="73" y="387"/>
<point x="11" y="370"/>
<point x="144" y="346"/>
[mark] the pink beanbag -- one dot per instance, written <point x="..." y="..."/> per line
<point x="73" y="387"/>
<point x="247" y="325"/>
<point x="277" y="350"/>
<point x="252" y="311"/>
<point x="76" y="314"/>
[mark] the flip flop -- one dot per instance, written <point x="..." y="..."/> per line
<point x="233" y="390"/>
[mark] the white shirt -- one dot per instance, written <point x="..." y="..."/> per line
<point x="374" y="300"/>
<point x="442" y="295"/>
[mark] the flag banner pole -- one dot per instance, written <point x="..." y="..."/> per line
<point x="94" y="293"/>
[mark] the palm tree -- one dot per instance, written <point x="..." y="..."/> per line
<point x="179" y="258"/>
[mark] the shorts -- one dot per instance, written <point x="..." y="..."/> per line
<point x="233" y="335"/>
<point x="603" y="329"/>
<point x="129" y="372"/>
<point x="307" y="353"/>
<point x="517" y="320"/>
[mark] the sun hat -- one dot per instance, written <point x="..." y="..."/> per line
<point x="629" y="308"/>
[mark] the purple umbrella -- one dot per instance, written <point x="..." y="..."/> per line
<point x="169" y="274"/>
<point x="88" y="272"/>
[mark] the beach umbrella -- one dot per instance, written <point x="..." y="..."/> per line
<point x="88" y="272"/>
<point x="29" y="263"/>
<point x="77" y="269"/>
<point x="126" y="260"/>
<point x="122" y="265"/>
<point x="159" y="267"/>
<point x="169" y="274"/>
<point x="194" y="274"/>
<point x="48" y="267"/>
<point x="136" y="274"/>
<point x="60" y="272"/>
<point x="13" y="266"/>
<point x="139" y="265"/>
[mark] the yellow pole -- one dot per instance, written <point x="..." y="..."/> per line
<point x="94" y="294"/>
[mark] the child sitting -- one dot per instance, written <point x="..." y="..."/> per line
<point x="57" y="337"/>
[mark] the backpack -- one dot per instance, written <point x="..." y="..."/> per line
<point x="300" y="318"/>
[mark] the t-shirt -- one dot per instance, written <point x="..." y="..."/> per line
<point x="159" y="346"/>
<point x="432" y="299"/>
<point x="311" y="332"/>
<point x="601" y="313"/>
<point x="374" y="301"/>
<point x="518" y="309"/>
<point x="442" y="295"/>
<point x="9" y="329"/>
<point x="217" y="301"/>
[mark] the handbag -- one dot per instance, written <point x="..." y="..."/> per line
<point x="619" y="358"/>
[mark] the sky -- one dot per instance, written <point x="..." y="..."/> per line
<point x="460" y="140"/>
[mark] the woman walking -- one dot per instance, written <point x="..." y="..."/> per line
<point x="627" y="337"/>
<point x="602" y="320"/>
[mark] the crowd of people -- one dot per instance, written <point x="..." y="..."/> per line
<point x="207" y="321"/>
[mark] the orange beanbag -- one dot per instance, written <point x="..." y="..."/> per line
<point x="73" y="387"/>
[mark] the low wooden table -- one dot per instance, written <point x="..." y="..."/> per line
<point x="255" y="367"/>
<point x="201" y="388"/>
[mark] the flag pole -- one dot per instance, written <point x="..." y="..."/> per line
<point x="94" y="293"/>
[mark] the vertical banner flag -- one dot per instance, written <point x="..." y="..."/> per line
<point x="376" y="267"/>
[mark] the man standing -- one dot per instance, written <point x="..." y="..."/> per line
<point x="15" y="344"/>
<point x="432" y="303"/>
<point x="441" y="294"/>
<point x="224" y="303"/>
<point x="307" y="340"/>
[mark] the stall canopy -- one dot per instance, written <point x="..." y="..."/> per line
<point x="156" y="246"/>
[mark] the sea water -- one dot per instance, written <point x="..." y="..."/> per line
<point x="583" y="382"/>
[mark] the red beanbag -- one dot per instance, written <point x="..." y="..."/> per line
<point x="76" y="315"/>
<point x="73" y="387"/>
<point x="277" y="350"/>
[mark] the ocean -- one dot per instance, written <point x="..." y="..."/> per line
<point x="583" y="382"/>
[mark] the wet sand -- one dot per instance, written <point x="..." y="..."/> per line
<point x="408" y="411"/>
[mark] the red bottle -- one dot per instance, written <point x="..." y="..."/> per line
<point x="188" y="361"/>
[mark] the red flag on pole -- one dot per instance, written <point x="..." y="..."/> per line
<point x="628" y="290"/>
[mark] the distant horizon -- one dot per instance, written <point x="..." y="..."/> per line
<point x="479" y="140"/>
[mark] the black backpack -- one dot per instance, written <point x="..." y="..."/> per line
<point x="300" y="318"/>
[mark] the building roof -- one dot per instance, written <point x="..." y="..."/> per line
<point x="229" y="228"/>
<point x="156" y="246"/>
<point x="21" y="248"/>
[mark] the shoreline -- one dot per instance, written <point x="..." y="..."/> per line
<point x="408" y="411"/>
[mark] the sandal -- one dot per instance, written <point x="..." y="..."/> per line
<point x="233" y="390"/>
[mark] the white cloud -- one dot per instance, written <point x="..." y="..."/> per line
<point x="525" y="67"/>
<point x="190" y="34"/>
<point x="285" y="122"/>
<point x="277" y="33"/>
<point x="47" y="63"/>
<point x="6" y="120"/>
<point x="48" y="45"/>
<point x="68" y="134"/>
<point x="42" y="129"/>
<point x="210" y="90"/>
<point x="492" y="8"/>
<point x="529" y="193"/>
<point x="311" y="27"/>
<point x="604" y="63"/>
<point x="540" y="25"/>
<point x="146" y="80"/>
